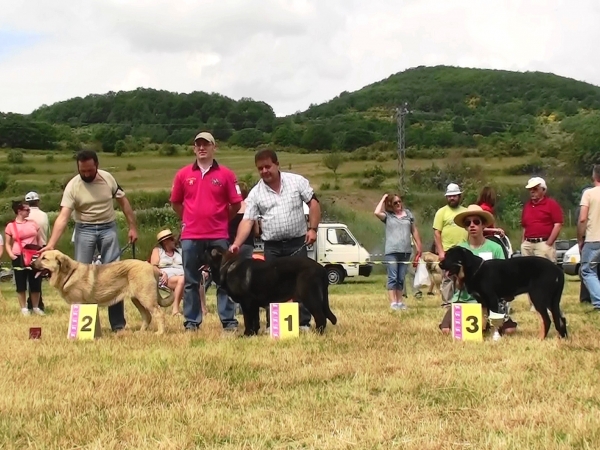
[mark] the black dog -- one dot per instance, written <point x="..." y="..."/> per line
<point x="489" y="281"/>
<point x="255" y="283"/>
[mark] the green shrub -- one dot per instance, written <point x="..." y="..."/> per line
<point x="50" y="158"/>
<point x="15" y="157"/>
<point x="130" y="167"/>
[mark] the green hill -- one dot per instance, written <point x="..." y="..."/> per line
<point x="449" y="107"/>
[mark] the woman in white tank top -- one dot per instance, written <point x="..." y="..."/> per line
<point x="168" y="259"/>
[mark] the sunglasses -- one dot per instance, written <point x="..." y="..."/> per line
<point x="25" y="209"/>
<point x="474" y="222"/>
<point x="397" y="202"/>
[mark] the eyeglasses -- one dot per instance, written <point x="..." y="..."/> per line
<point x="25" y="209"/>
<point x="397" y="202"/>
<point x="474" y="222"/>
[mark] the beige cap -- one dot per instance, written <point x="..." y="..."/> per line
<point x="206" y="136"/>
<point x="474" y="210"/>
<point x="536" y="181"/>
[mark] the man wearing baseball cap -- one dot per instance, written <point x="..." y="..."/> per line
<point x="41" y="218"/>
<point x="205" y="195"/>
<point x="447" y="233"/>
<point x="542" y="220"/>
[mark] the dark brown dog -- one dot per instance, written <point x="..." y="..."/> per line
<point x="255" y="283"/>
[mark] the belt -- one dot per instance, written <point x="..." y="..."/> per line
<point x="536" y="240"/>
<point x="285" y="241"/>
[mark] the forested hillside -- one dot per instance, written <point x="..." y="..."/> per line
<point x="488" y="110"/>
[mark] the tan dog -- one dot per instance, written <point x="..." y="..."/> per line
<point x="106" y="284"/>
<point x="433" y="268"/>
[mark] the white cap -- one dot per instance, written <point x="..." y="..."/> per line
<point x="32" y="196"/>
<point x="536" y="181"/>
<point x="453" y="189"/>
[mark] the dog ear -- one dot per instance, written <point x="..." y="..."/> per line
<point x="63" y="262"/>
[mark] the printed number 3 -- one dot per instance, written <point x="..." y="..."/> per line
<point x="474" y="328"/>
<point x="87" y="321"/>
<point x="288" y="319"/>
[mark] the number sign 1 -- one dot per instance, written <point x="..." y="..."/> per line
<point x="467" y="323"/>
<point x="284" y="320"/>
<point x="84" y="322"/>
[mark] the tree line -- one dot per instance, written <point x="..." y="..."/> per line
<point x="449" y="107"/>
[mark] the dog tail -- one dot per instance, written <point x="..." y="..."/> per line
<point x="327" y="310"/>
<point x="560" y="323"/>
<point x="165" y="301"/>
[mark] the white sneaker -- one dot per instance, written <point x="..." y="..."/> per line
<point x="25" y="312"/>
<point x="39" y="312"/>
<point x="495" y="316"/>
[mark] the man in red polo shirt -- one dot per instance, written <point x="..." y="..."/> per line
<point x="205" y="195"/>
<point x="542" y="219"/>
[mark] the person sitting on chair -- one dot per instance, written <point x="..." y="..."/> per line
<point x="475" y="220"/>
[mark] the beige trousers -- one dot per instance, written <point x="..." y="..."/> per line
<point x="538" y="249"/>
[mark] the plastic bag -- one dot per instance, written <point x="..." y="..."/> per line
<point x="421" y="276"/>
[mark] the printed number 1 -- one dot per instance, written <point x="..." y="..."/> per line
<point x="87" y="321"/>
<point x="474" y="328"/>
<point x="288" y="319"/>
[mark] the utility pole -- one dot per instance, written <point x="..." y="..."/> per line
<point x="401" y="112"/>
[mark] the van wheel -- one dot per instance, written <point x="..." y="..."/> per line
<point x="335" y="275"/>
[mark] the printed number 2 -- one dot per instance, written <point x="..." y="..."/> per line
<point x="474" y="328"/>
<point x="288" y="319"/>
<point x="87" y="321"/>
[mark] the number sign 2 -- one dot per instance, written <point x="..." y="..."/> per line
<point x="284" y="320"/>
<point x="467" y="322"/>
<point x="84" y="322"/>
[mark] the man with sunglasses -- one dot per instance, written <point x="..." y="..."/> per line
<point x="447" y="234"/>
<point x="474" y="220"/>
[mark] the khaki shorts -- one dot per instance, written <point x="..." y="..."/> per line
<point x="538" y="249"/>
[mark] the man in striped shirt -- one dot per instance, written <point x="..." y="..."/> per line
<point x="278" y="198"/>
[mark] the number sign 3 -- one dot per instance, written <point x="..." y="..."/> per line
<point x="467" y="322"/>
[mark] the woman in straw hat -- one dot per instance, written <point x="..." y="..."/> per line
<point x="167" y="257"/>
<point x="475" y="219"/>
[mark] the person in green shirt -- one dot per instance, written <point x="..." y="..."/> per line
<point x="474" y="220"/>
<point x="447" y="233"/>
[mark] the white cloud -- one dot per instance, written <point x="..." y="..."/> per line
<point x="289" y="53"/>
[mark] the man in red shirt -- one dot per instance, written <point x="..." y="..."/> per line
<point x="542" y="219"/>
<point x="205" y="195"/>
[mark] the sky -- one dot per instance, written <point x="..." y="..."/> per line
<point x="288" y="53"/>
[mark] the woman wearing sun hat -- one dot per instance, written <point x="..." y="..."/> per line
<point x="474" y="220"/>
<point x="167" y="257"/>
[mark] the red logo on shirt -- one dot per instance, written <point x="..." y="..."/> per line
<point x="190" y="181"/>
<point x="216" y="182"/>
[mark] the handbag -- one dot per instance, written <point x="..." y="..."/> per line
<point x="29" y="252"/>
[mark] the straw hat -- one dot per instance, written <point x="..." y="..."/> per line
<point x="162" y="235"/>
<point x="474" y="210"/>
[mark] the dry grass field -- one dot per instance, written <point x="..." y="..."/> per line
<point x="377" y="380"/>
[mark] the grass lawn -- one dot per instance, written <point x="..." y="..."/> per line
<point x="377" y="380"/>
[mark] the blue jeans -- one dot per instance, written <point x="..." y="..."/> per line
<point x="103" y="237"/>
<point x="193" y="257"/>
<point x="396" y="270"/>
<point x="590" y="257"/>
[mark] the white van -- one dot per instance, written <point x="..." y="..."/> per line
<point x="337" y="250"/>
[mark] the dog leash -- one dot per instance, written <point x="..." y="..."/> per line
<point x="129" y="244"/>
